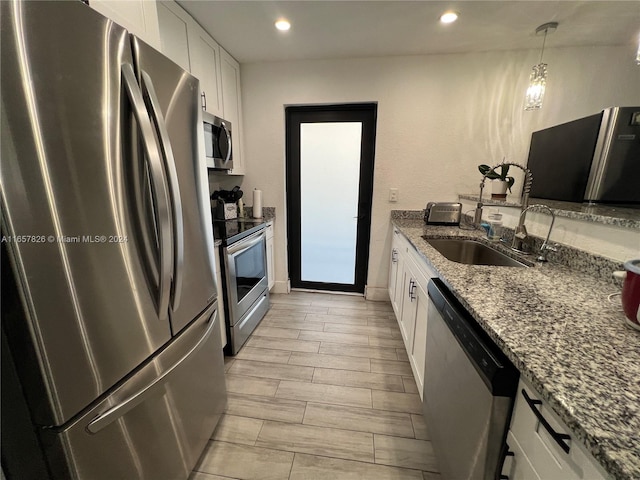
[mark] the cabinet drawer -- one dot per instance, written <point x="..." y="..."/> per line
<point x="543" y="445"/>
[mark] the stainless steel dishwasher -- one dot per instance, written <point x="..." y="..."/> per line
<point x="469" y="390"/>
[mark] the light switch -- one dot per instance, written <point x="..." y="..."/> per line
<point x="393" y="194"/>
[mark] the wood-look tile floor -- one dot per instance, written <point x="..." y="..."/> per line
<point x="322" y="390"/>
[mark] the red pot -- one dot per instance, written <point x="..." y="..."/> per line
<point x="631" y="292"/>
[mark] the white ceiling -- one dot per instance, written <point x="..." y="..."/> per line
<point x="343" y="29"/>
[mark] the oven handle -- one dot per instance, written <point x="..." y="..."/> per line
<point x="245" y="243"/>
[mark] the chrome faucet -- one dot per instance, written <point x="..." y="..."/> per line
<point x="520" y="234"/>
<point x="546" y="246"/>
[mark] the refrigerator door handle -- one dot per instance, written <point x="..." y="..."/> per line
<point x="159" y="190"/>
<point x="117" y="411"/>
<point x="170" y="166"/>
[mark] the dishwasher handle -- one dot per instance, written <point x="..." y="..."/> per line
<point x="560" y="438"/>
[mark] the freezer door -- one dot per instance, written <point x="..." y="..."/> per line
<point x="172" y="98"/>
<point x="91" y="308"/>
<point x="156" y="425"/>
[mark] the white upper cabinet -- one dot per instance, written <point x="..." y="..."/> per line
<point x="185" y="42"/>
<point x="140" y="17"/>
<point x="232" y="107"/>
<point x="204" y="54"/>
<point x="174" y="33"/>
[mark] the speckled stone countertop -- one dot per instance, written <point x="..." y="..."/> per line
<point x="558" y="328"/>
<point x="606" y="214"/>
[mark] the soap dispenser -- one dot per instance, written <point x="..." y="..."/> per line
<point x="495" y="226"/>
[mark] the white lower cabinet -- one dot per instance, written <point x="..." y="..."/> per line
<point x="409" y="276"/>
<point x="542" y="445"/>
<point x="270" y="258"/>
<point x="399" y="246"/>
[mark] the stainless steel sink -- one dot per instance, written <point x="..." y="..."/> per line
<point x="472" y="252"/>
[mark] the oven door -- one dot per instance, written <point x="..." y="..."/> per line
<point x="246" y="263"/>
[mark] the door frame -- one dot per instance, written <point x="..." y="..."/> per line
<point x="294" y="116"/>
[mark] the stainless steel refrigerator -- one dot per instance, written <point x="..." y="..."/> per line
<point x="112" y="362"/>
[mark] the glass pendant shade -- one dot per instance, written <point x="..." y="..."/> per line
<point x="537" y="84"/>
<point x="538" y="77"/>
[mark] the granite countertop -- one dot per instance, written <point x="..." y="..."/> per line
<point x="559" y="329"/>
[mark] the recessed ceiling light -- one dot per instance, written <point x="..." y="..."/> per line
<point x="448" y="17"/>
<point x="283" y="25"/>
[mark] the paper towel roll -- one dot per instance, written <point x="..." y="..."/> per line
<point x="257" y="203"/>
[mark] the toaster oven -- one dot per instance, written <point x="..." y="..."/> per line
<point x="442" y="213"/>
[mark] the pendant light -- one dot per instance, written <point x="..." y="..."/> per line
<point x="538" y="77"/>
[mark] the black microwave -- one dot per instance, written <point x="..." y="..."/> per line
<point x="218" y="145"/>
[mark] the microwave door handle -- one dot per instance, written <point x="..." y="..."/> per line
<point x="226" y="130"/>
<point x="159" y="188"/>
<point x="176" y="199"/>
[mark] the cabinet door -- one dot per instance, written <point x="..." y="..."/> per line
<point x="517" y="466"/>
<point x="140" y="17"/>
<point x="393" y="274"/>
<point x="232" y="107"/>
<point x="544" y="452"/>
<point x="394" y="261"/>
<point x="398" y="290"/>
<point x="204" y="57"/>
<point x="270" y="250"/>
<point x="419" y="346"/>
<point x="408" y="317"/>
<point x="174" y="33"/>
<point x="396" y="280"/>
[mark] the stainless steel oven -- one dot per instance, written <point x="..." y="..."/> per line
<point x="246" y="287"/>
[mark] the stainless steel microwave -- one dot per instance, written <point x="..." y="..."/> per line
<point x="218" y="144"/>
<point x="592" y="159"/>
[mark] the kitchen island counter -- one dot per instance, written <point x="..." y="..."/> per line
<point x="558" y="328"/>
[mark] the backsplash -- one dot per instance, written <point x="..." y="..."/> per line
<point x="593" y="265"/>
<point x="268" y="213"/>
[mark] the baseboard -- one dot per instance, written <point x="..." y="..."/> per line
<point x="280" y="287"/>
<point x="376" y="294"/>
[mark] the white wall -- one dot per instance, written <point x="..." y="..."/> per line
<point x="439" y="116"/>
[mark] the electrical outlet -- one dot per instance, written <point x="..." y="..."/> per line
<point x="393" y="194"/>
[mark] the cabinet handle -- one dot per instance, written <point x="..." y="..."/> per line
<point x="204" y="100"/>
<point x="410" y="287"/>
<point x="558" y="437"/>
<point x="394" y="256"/>
<point x="507" y="453"/>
